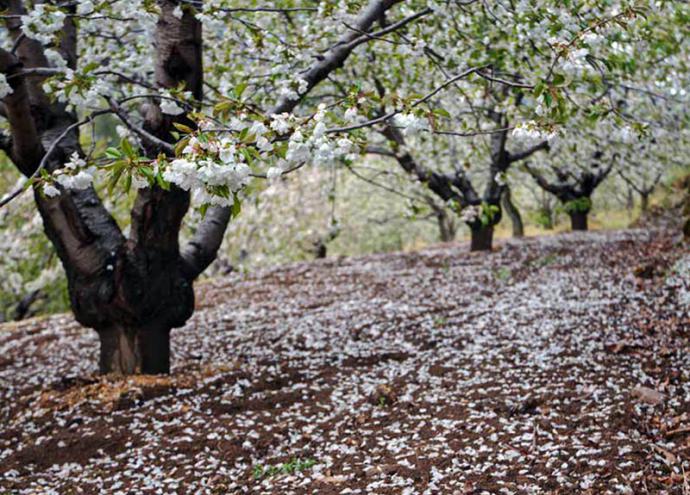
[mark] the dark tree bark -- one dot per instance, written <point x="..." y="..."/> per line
<point x="457" y="188"/>
<point x="482" y="237"/>
<point x="578" y="220"/>
<point x="129" y="350"/>
<point x="23" y="307"/>
<point x="644" y="201"/>
<point x="513" y="213"/>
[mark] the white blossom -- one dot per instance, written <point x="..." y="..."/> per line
<point x="50" y="190"/>
<point x="5" y="88"/>
<point x="410" y="124"/>
<point x="170" y="107"/>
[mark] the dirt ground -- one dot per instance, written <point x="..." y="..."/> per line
<point x="555" y="365"/>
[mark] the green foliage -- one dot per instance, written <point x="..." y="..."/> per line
<point x="546" y="260"/>
<point x="487" y="215"/>
<point x="543" y="218"/>
<point x="294" y="466"/>
<point x="503" y="274"/>
<point x="579" y="205"/>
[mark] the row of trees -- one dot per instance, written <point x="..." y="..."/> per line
<point x="215" y="97"/>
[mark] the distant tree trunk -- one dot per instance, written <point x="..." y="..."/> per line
<point x="513" y="213"/>
<point x="21" y="311"/>
<point x="446" y="226"/>
<point x="686" y="210"/>
<point x="320" y="250"/>
<point x="644" y="202"/>
<point x="630" y="200"/>
<point x="578" y="220"/>
<point x="482" y="237"/>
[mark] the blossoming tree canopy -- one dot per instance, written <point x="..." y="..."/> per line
<point x="211" y="96"/>
<point x="530" y="88"/>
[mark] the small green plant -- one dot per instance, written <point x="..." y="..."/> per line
<point x="295" y="465"/>
<point x="546" y="260"/>
<point x="503" y="273"/>
<point x="439" y="321"/>
<point x="544" y="218"/>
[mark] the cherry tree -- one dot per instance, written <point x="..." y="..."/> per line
<point x="574" y="185"/>
<point x="64" y="66"/>
<point x="642" y="176"/>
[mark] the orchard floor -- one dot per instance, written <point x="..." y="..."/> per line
<point x="555" y="365"/>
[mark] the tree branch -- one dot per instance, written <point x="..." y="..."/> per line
<point x="336" y="56"/>
<point x="516" y="157"/>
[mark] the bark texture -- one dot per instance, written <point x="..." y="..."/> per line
<point x="482" y="238"/>
<point x="578" y="220"/>
<point x="513" y="213"/>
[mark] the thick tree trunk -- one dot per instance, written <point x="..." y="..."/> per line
<point x="482" y="237"/>
<point x="644" y="202"/>
<point x="578" y="220"/>
<point x="127" y="350"/>
<point x="513" y="213"/>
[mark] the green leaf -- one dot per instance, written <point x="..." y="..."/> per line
<point x="558" y="79"/>
<point x="127" y="148"/>
<point x="128" y="183"/>
<point x="183" y="128"/>
<point x="539" y="89"/>
<point x="162" y="183"/>
<point x="236" y="207"/>
<point x="114" y="179"/>
<point x="239" y="89"/>
<point x="181" y="145"/>
<point x="113" y="153"/>
<point x="148" y="173"/>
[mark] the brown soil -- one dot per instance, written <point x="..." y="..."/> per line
<point x="551" y="366"/>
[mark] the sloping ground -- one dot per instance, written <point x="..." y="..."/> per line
<point x="555" y="365"/>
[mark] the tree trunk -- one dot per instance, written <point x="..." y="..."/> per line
<point x="21" y="311"/>
<point x="482" y="237"/>
<point x="446" y="226"/>
<point x="128" y="351"/>
<point x="578" y="220"/>
<point x="513" y="213"/>
<point x="630" y="200"/>
<point x="644" y="202"/>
